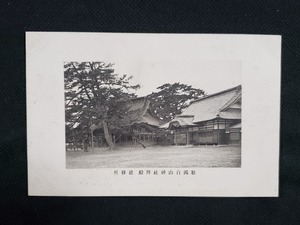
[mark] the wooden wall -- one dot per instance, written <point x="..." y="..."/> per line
<point x="208" y="133"/>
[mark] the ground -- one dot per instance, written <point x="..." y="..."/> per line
<point x="157" y="156"/>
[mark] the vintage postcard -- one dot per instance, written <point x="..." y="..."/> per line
<point x="128" y="114"/>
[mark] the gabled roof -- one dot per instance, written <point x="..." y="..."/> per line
<point x="209" y="108"/>
<point x="140" y="113"/>
<point x="215" y="105"/>
<point x="232" y="101"/>
<point x="148" y="119"/>
<point x="136" y="103"/>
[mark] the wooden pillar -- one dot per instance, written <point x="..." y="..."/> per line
<point x="218" y="132"/>
<point x="175" y="137"/>
<point x="92" y="140"/>
<point x="187" y="136"/>
<point x="198" y="132"/>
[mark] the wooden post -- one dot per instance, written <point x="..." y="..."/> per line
<point x="225" y="134"/>
<point x="92" y="140"/>
<point x="218" y="131"/>
<point x="175" y="136"/>
<point x="213" y="135"/>
<point x="82" y="143"/>
<point x="205" y="134"/>
<point x="187" y="136"/>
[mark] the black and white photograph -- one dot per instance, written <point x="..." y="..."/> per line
<point x="142" y="111"/>
<point x="133" y="114"/>
<point x="165" y="114"/>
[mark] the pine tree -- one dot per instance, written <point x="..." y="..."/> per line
<point x="95" y="97"/>
<point x="171" y="99"/>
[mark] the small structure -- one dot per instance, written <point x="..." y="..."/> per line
<point x="211" y="120"/>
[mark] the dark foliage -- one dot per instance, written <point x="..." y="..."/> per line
<point x="171" y="99"/>
<point x="94" y="94"/>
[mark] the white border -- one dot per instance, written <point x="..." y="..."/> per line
<point x="47" y="176"/>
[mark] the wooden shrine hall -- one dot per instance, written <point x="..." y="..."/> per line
<point x="142" y="128"/>
<point x="212" y="120"/>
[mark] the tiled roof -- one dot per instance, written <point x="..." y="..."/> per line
<point x="211" y="106"/>
<point x="147" y="118"/>
<point x="136" y="103"/>
<point x="139" y="112"/>
<point x="231" y="114"/>
<point x="182" y="121"/>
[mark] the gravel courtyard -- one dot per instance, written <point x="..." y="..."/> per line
<point x="157" y="156"/>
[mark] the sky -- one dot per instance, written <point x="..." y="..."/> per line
<point x="210" y="76"/>
<point x="208" y="62"/>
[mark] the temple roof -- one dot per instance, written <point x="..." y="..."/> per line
<point x="215" y="105"/>
<point x="179" y="121"/>
<point x="137" y="103"/>
<point x="138" y="112"/>
<point x="218" y="105"/>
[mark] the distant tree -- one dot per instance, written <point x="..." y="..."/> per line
<point x="95" y="97"/>
<point x="171" y="99"/>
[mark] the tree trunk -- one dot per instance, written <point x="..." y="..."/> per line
<point x="108" y="136"/>
<point x="141" y="144"/>
<point x="137" y="141"/>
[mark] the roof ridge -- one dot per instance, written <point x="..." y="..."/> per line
<point x="218" y="93"/>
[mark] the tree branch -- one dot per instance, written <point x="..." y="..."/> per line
<point x="73" y="97"/>
<point x="96" y="81"/>
<point x="84" y="87"/>
<point x="75" y="121"/>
